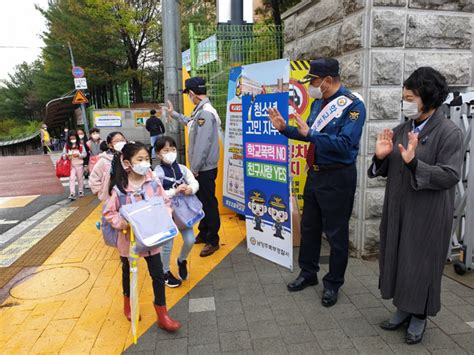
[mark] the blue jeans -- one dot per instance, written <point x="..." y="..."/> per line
<point x="153" y="140"/>
<point x="188" y="239"/>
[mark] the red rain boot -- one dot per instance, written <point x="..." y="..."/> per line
<point x="165" y="321"/>
<point x="127" y="311"/>
<point x="126" y="308"/>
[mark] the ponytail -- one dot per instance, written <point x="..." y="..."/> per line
<point x="118" y="175"/>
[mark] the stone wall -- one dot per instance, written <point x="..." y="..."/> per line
<point x="379" y="43"/>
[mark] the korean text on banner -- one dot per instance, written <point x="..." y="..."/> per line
<point x="233" y="194"/>
<point x="266" y="162"/>
<point x="103" y="119"/>
<point x="300" y="102"/>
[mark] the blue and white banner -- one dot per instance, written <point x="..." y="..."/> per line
<point x="233" y="189"/>
<point x="267" y="175"/>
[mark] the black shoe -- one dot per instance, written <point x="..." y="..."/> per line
<point x="329" y="298"/>
<point x="387" y="325"/>
<point x="301" y="283"/>
<point x="182" y="270"/>
<point x="199" y="240"/>
<point x="171" y="281"/>
<point x="412" y="339"/>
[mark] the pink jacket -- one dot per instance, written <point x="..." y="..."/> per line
<point x="100" y="176"/>
<point x="112" y="215"/>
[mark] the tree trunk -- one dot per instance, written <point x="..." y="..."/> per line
<point x="277" y="20"/>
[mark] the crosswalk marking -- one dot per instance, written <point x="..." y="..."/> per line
<point x="16" y="249"/>
<point x="4" y="221"/>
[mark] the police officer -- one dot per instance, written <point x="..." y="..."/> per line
<point x="203" y="154"/>
<point x="333" y="128"/>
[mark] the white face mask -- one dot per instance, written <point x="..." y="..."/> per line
<point x="118" y="146"/>
<point x="315" y="92"/>
<point x="410" y="110"/>
<point x="73" y="141"/>
<point x="170" y="157"/>
<point x="81" y="136"/>
<point x="95" y="136"/>
<point x="141" y="168"/>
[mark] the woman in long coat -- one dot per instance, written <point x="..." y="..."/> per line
<point x="422" y="160"/>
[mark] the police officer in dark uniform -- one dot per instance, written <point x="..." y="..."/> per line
<point x="332" y="176"/>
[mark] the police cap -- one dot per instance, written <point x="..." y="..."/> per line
<point x="319" y="68"/>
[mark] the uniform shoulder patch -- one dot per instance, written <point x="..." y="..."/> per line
<point x="201" y="121"/>
<point x="354" y="115"/>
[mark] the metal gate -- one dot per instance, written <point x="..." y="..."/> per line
<point x="461" y="111"/>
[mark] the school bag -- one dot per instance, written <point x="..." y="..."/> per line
<point x="63" y="167"/>
<point x="150" y="220"/>
<point x="110" y="234"/>
<point x="187" y="209"/>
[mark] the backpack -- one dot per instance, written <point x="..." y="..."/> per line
<point x="110" y="234"/>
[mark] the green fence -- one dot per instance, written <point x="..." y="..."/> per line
<point x="214" y="50"/>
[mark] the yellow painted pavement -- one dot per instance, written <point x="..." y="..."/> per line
<point x="72" y="304"/>
<point x="17" y="201"/>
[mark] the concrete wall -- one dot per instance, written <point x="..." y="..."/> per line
<point x="379" y="43"/>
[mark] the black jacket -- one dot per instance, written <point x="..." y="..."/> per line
<point x="155" y="126"/>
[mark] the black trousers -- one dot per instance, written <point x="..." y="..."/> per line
<point x="328" y="201"/>
<point x="155" y="267"/>
<point x="211" y="223"/>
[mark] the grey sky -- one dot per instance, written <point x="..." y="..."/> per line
<point x="20" y="25"/>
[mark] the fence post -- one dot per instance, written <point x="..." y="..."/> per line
<point x="193" y="49"/>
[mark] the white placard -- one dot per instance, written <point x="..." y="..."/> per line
<point x="80" y="83"/>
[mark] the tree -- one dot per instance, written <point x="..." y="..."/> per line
<point x="202" y="13"/>
<point x="276" y="8"/>
<point x="114" y="40"/>
<point x="18" y="97"/>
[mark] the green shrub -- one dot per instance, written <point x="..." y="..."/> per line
<point x="14" y="129"/>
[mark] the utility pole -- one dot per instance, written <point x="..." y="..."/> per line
<point x="82" y="106"/>
<point x="171" y="24"/>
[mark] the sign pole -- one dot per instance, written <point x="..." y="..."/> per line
<point x="83" y="108"/>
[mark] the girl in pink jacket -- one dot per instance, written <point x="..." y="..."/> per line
<point x="100" y="175"/>
<point x="136" y="180"/>
<point x="76" y="152"/>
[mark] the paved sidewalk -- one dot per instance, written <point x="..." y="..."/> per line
<point x="243" y="307"/>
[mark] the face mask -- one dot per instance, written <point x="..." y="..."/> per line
<point x="315" y="92"/>
<point x="95" y="136"/>
<point x="118" y="146"/>
<point x="410" y="110"/>
<point x="170" y="157"/>
<point x="81" y="136"/>
<point x="73" y="141"/>
<point x="141" y="168"/>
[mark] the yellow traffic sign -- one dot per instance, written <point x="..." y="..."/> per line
<point x="79" y="98"/>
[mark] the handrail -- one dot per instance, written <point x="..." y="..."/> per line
<point x="19" y="140"/>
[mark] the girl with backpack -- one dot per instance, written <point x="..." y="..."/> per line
<point x="176" y="179"/>
<point x="93" y="144"/>
<point x="83" y="141"/>
<point x="131" y="174"/>
<point x="100" y="174"/>
<point x="76" y="152"/>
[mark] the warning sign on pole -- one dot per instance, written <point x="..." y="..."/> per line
<point x="79" y="98"/>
